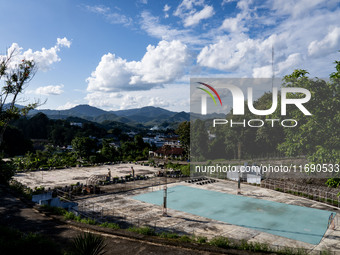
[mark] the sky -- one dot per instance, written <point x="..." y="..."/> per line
<point x="127" y="54"/>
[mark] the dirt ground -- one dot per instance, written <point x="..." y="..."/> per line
<point x="68" y="176"/>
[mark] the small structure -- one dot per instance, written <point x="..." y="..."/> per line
<point x="168" y="152"/>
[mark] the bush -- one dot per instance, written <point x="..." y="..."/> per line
<point x="88" y="221"/>
<point x="69" y="216"/>
<point x="7" y="171"/>
<point x="201" y="239"/>
<point x="55" y="210"/>
<point x="185" y="239"/>
<point x="88" y="244"/>
<point x="143" y="230"/>
<point x="220" y="241"/>
<point x="110" y="225"/>
<point x="169" y="235"/>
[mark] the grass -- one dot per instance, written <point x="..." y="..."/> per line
<point x="110" y="225"/>
<point x="142" y="230"/>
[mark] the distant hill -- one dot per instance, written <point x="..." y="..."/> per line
<point x="146" y="116"/>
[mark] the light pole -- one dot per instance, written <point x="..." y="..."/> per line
<point x="165" y="194"/>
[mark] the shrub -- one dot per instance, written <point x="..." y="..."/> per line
<point x="88" y="221"/>
<point x="88" y="244"/>
<point x="201" y="239"/>
<point x="143" y="230"/>
<point x="110" y="225"/>
<point x="7" y="171"/>
<point x="69" y="216"/>
<point x="185" y="239"/>
<point x="220" y="241"/>
<point x="169" y="235"/>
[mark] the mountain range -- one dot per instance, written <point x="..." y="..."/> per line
<point x="146" y="116"/>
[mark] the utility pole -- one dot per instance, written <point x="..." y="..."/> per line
<point x="273" y="73"/>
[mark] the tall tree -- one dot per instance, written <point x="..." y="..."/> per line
<point x="183" y="131"/>
<point x="317" y="136"/>
<point x="15" y="76"/>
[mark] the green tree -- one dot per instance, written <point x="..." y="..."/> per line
<point x="198" y="141"/>
<point x="183" y="131"/>
<point x="317" y="136"/>
<point x="84" y="146"/>
<point x="15" y="81"/>
<point x="109" y="152"/>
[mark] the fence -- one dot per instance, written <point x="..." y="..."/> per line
<point x="324" y="196"/>
<point x="102" y="214"/>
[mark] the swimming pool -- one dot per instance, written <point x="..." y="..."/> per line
<point x="291" y="221"/>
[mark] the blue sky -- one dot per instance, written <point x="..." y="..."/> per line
<point x="134" y="53"/>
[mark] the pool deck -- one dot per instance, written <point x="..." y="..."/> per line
<point x="122" y="205"/>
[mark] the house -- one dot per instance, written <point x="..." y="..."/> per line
<point x="167" y="151"/>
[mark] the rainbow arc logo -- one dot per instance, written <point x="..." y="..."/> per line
<point x="204" y="100"/>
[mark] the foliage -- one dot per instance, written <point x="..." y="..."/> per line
<point x="20" y="189"/>
<point x="84" y="146"/>
<point x="333" y="182"/>
<point x="55" y="210"/>
<point x="15" y="143"/>
<point x="88" y="244"/>
<point x="220" y="241"/>
<point x="143" y="230"/>
<point x="318" y="135"/>
<point x="7" y="171"/>
<point x="183" y="131"/>
<point x="169" y="235"/>
<point x="185" y="168"/>
<point x="88" y="221"/>
<point x="201" y="239"/>
<point x="69" y="216"/>
<point x="15" y="81"/>
<point x="109" y="152"/>
<point x="134" y="150"/>
<point x="110" y="225"/>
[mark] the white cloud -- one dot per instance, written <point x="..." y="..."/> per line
<point x="330" y="43"/>
<point x="227" y="1"/>
<point x="262" y="72"/>
<point x="296" y="8"/>
<point x="166" y="8"/>
<point x="66" y="106"/>
<point x="300" y="41"/>
<point x="194" y="19"/>
<point x="187" y="6"/>
<point x="153" y="27"/>
<point x="111" y="16"/>
<point x="234" y="24"/>
<point x="190" y="15"/>
<point x="43" y="58"/>
<point x="50" y="90"/>
<point x="63" y="42"/>
<point x="161" y="64"/>
<point x="176" y="99"/>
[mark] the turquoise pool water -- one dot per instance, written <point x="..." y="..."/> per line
<point x="291" y="221"/>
